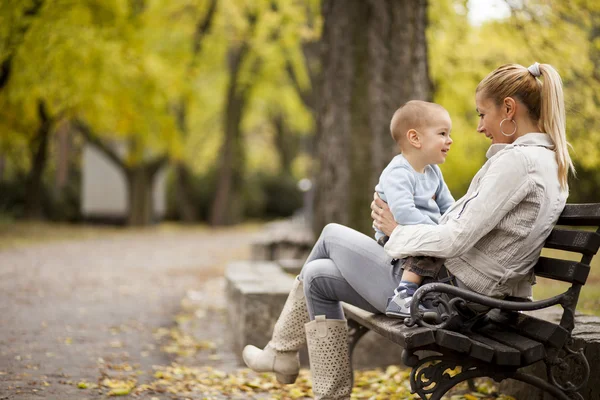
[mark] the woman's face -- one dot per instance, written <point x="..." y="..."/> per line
<point x="490" y="116"/>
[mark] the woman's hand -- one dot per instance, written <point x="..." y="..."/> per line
<point x="383" y="219"/>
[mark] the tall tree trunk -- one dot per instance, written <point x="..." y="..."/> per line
<point x="39" y="158"/>
<point x="2" y="164"/>
<point x="286" y="143"/>
<point x="140" y="185"/>
<point x="63" y="146"/>
<point x="374" y="58"/>
<point x="183" y="176"/>
<point x="183" y="194"/>
<point x="227" y="207"/>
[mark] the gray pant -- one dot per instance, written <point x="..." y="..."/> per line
<point x="345" y="265"/>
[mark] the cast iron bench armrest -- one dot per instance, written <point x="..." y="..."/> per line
<point x="460" y="299"/>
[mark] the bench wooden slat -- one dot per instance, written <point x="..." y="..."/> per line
<point x="453" y="340"/>
<point x="531" y="350"/>
<point x="462" y="344"/>
<point x="562" y="270"/>
<point x="391" y="328"/>
<point x="531" y="327"/>
<point x="580" y="215"/>
<point x="584" y="242"/>
<point x="503" y="355"/>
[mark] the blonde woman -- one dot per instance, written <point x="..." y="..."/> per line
<point x="491" y="237"/>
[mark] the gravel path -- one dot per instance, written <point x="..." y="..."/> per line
<point x="81" y="311"/>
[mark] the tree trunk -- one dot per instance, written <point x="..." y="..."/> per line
<point x="374" y="59"/>
<point x="227" y="207"/>
<point x="63" y="146"/>
<point x="183" y="194"/>
<point x="39" y="157"/>
<point x="183" y="177"/>
<point x="286" y="143"/>
<point x="2" y="163"/>
<point x="140" y="185"/>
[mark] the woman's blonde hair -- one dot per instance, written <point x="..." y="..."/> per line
<point x="545" y="102"/>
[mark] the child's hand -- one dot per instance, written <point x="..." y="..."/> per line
<point x="383" y="219"/>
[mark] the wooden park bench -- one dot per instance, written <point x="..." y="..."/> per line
<point x="505" y="339"/>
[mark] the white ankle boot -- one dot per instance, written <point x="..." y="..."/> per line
<point x="285" y="365"/>
<point x="281" y="354"/>
<point x="329" y="356"/>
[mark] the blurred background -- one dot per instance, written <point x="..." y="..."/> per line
<point x="222" y="111"/>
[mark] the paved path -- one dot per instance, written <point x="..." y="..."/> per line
<point x="82" y="311"/>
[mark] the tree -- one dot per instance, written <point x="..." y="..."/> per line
<point x="183" y="182"/>
<point x="117" y="68"/>
<point x="151" y="117"/>
<point x="374" y="58"/>
<point x="12" y="38"/>
<point x="265" y="42"/>
<point x="227" y="207"/>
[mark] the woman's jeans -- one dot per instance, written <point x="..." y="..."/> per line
<point x="345" y="265"/>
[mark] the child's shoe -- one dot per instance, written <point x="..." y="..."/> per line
<point x="399" y="306"/>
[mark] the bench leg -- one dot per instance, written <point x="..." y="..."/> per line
<point x="428" y="376"/>
<point x="355" y="332"/>
<point x="567" y="359"/>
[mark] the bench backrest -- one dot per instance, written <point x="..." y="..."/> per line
<point x="577" y="238"/>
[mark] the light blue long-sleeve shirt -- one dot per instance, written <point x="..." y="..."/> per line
<point x="414" y="198"/>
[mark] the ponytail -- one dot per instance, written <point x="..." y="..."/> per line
<point x="553" y="120"/>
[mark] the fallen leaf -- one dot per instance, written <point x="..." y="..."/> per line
<point x="119" y="392"/>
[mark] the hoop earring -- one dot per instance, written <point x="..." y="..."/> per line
<point x="514" y="130"/>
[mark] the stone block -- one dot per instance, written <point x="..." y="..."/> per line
<point x="256" y="293"/>
<point x="587" y="336"/>
<point x="290" y="265"/>
<point x="283" y="240"/>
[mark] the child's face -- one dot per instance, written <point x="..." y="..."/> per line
<point x="435" y="138"/>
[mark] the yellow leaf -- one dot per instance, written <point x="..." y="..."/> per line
<point x="124" y="391"/>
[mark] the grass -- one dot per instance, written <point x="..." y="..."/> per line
<point x="589" y="299"/>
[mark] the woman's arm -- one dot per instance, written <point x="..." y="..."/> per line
<point x="503" y="186"/>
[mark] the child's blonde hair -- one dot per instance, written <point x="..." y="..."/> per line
<point x="544" y="101"/>
<point x="414" y="114"/>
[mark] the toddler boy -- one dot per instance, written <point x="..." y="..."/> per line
<point x="413" y="186"/>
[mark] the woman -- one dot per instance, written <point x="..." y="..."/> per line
<point x="491" y="237"/>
